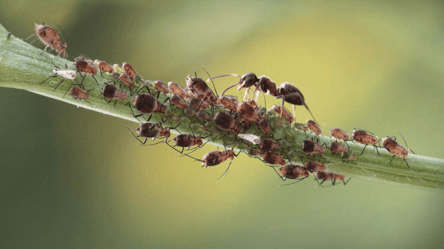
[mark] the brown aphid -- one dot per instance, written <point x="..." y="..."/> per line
<point x="178" y="90"/>
<point x="273" y="158"/>
<point x="268" y="144"/>
<point x="116" y="75"/>
<point x="254" y="152"/>
<point x="314" y="166"/>
<point x="364" y="137"/>
<point x="179" y="102"/>
<point x="79" y="93"/>
<point x="202" y="115"/>
<point x="322" y="175"/>
<point x="292" y="171"/>
<point x="151" y="130"/>
<point x="264" y="125"/>
<point x="312" y="125"/>
<point x="200" y="89"/>
<point x="196" y="103"/>
<point x="338" y="148"/>
<point x="112" y="92"/>
<point x="395" y="148"/>
<point x="187" y="140"/>
<point x="214" y="158"/>
<point x="49" y="36"/>
<point x="189" y="112"/>
<point x="126" y="80"/>
<point x="129" y="70"/>
<point x="248" y="112"/>
<point x="226" y="122"/>
<point x="291" y="94"/>
<point x="285" y="113"/>
<point x="339" y="134"/>
<point x="347" y="156"/>
<point x="146" y="103"/>
<point x="105" y="67"/>
<point x="160" y="86"/>
<point x="85" y="66"/>
<point x="310" y="148"/>
<point x="228" y="102"/>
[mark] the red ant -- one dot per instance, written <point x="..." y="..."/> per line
<point x="49" y="36"/>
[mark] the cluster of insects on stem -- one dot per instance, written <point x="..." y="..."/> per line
<point x="217" y="117"/>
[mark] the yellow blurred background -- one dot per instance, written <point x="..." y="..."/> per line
<point x="72" y="178"/>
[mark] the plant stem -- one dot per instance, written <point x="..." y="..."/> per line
<point x="23" y="66"/>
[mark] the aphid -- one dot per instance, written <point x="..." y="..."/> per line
<point x="273" y="158"/>
<point x="49" y="36"/>
<point x="196" y="103"/>
<point x="85" y="66"/>
<point x="126" y="80"/>
<point x="189" y="112"/>
<point x="292" y="171"/>
<point x="347" y="156"/>
<point x="338" y="148"/>
<point x="364" y="137"/>
<point x="291" y="94"/>
<point x="146" y="103"/>
<point x="255" y="152"/>
<point x="179" y="102"/>
<point x="264" y="125"/>
<point x="79" y="93"/>
<point x="129" y="70"/>
<point x="285" y="113"/>
<point x="202" y="115"/>
<point x="314" y="166"/>
<point x="310" y="148"/>
<point x="178" y="90"/>
<point x="151" y="130"/>
<point x="200" y="89"/>
<point x="248" y="112"/>
<point x="250" y="138"/>
<point x="160" y="86"/>
<point x="229" y="102"/>
<point x="65" y="74"/>
<point x="187" y="140"/>
<point x="104" y="67"/>
<point x="322" y="175"/>
<point x="112" y="92"/>
<point x="226" y="122"/>
<point x="339" y="134"/>
<point x="268" y="144"/>
<point x="314" y="126"/>
<point x="300" y="126"/>
<point x="395" y="148"/>
<point x="214" y="158"/>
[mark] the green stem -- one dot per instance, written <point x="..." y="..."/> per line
<point x="23" y="66"/>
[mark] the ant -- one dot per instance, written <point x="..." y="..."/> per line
<point x="49" y="36"/>
<point x="245" y="81"/>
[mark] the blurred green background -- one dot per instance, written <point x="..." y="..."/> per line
<point x="72" y="178"/>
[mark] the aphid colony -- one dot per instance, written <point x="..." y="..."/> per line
<point x="222" y="112"/>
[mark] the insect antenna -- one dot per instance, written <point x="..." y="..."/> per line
<point x="297" y="181"/>
<point x="211" y="80"/>
<point x="226" y="171"/>
<point x="181" y="153"/>
<point x="406" y="143"/>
